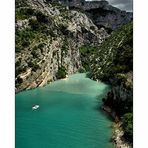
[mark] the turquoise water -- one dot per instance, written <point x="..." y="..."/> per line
<point x="67" y="116"/>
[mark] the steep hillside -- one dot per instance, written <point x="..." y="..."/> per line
<point x="113" y="63"/>
<point x="48" y="38"/>
<point x="115" y="55"/>
<point x="109" y="17"/>
<point x="53" y="41"/>
<point x="101" y="12"/>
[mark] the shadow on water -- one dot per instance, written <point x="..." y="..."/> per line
<point x="100" y="103"/>
<point x="104" y="113"/>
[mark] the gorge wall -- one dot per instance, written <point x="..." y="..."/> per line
<point x="53" y="40"/>
<point x="101" y="12"/>
<point x="48" y="38"/>
<point x="113" y="63"/>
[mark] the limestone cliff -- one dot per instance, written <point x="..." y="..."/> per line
<point x="101" y="12"/>
<point x="48" y="38"/>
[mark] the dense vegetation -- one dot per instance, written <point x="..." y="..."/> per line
<point x="128" y="125"/>
<point x="61" y="72"/>
<point x="86" y="53"/>
<point x="37" y="28"/>
<point x="113" y="63"/>
<point x="115" y="54"/>
<point x="24" y="13"/>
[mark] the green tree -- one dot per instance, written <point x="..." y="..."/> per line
<point x="127" y="120"/>
<point x="61" y="72"/>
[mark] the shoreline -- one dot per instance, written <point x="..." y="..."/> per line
<point x="117" y="135"/>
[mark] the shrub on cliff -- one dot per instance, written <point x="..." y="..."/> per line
<point x="61" y="72"/>
<point x="42" y="18"/>
<point x="82" y="70"/>
<point x="33" y="65"/>
<point x="34" y="24"/>
<point x="24" y="13"/>
<point x="24" y="38"/>
<point x="63" y="29"/>
<point x="19" y="80"/>
<point x="128" y="125"/>
<point x="115" y="55"/>
<point x="86" y="52"/>
<point x="20" y="3"/>
<point x="20" y="69"/>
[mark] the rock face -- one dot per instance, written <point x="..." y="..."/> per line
<point x="113" y="63"/>
<point x="111" y="18"/>
<point x="115" y="55"/>
<point x="120" y="98"/>
<point x="48" y="38"/>
<point x="117" y="137"/>
<point x="100" y="12"/>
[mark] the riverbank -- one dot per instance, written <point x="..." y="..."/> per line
<point x="117" y="136"/>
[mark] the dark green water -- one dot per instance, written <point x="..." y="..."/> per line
<point x="67" y="116"/>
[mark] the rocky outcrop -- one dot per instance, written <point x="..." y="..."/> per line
<point x="120" y="98"/>
<point x="118" y="102"/>
<point x="119" y="141"/>
<point x="48" y="38"/>
<point x="113" y="63"/>
<point x="101" y="12"/>
<point x="109" y="17"/>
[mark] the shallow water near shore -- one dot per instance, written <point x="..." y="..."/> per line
<point x="67" y="116"/>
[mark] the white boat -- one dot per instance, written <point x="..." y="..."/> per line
<point x="35" y="107"/>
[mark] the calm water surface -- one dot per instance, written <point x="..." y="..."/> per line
<point x="67" y="116"/>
